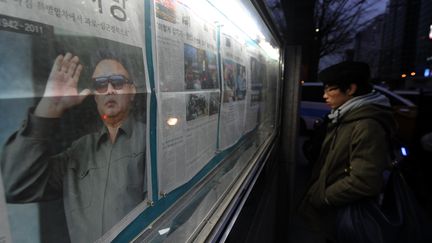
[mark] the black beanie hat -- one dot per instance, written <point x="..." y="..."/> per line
<point x="345" y="73"/>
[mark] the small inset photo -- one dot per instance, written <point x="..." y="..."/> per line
<point x="166" y="10"/>
<point x="196" y="106"/>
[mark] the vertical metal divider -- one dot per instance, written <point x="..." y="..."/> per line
<point x="290" y="119"/>
<point x="219" y="63"/>
<point x="149" y="31"/>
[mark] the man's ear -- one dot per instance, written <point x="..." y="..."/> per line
<point x="352" y="89"/>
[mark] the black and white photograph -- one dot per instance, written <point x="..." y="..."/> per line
<point x="196" y="106"/>
<point x="76" y="104"/>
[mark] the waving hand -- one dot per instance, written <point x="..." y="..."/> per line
<point x="61" y="92"/>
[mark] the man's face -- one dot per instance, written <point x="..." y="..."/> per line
<point x="335" y="97"/>
<point x="114" y="100"/>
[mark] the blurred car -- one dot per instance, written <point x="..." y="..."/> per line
<point x="313" y="108"/>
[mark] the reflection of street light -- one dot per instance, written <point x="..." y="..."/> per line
<point x="403" y="75"/>
<point x="172" y="121"/>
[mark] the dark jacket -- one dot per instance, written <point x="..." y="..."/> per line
<point x="355" y="152"/>
<point x="99" y="181"/>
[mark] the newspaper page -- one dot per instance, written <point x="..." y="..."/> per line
<point x="257" y="64"/>
<point x="234" y="78"/>
<point x="189" y="95"/>
<point x="57" y="50"/>
<point x="254" y="97"/>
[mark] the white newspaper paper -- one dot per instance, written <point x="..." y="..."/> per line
<point x="234" y="79"/>
<point x="257" y="64"/>
<point x="188" y="93"/>
<point x="118" y="20"/>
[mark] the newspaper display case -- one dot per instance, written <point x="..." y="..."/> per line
<point x="131" y="120"/>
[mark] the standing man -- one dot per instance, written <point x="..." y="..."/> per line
<point x="356" y="149"/>
<point x="101" y="175"/>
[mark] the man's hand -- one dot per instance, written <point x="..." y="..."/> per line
<point x="61" y="91"/>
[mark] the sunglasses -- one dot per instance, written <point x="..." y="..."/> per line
<point x="100" y="84"/>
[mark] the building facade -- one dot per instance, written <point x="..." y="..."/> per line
<point x="423" y="61"/>
<point x="405" y="56"/>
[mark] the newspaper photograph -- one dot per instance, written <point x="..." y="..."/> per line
<point x="200" y="69"/>
<point x="196" y="106"/>
<point x="76" y="99"/>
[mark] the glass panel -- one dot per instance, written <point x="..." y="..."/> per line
<point x="91" y="152"/>
<point x="73" y="134"/>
